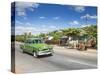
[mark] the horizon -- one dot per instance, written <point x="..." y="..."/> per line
<point x="53" y="31"/>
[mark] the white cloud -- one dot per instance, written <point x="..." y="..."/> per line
<point x="18" y="22"/>
<point x="44" y="26"/>
<point x="53" y="27"/>
<point x="79" y="8"/>
<point x="74" y="22"/>
<point x="56" y="18"/>
<point x="35" y="5"/>
<point x="22" y="6"/>
<point x="28" y="24"/>
<point x="89" y="16"/>
<point x="85" y="25"/>
<point x="31" y="9"/>
<point x="23" y="29"/>
<point x="42" y="17"/>
<point x="21" y="13"/>
<point x="34" y="30"/>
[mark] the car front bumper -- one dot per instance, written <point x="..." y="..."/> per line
<point x="45" y="52"/>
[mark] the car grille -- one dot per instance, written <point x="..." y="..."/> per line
<point x="45" y="49"/>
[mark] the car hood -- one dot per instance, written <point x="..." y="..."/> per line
<point x="41" y="46"/>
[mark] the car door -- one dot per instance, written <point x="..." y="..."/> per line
<point x="28" y="46"/>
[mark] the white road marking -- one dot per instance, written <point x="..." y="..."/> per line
<point x="81" y="62"/>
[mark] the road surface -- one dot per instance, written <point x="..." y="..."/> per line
<point x="63" y="59"/>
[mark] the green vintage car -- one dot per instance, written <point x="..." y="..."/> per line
<point x="36" y="47"/>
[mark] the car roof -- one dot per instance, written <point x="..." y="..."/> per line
<point x="34" y="39"/>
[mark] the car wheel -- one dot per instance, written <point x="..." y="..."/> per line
<point x="35" y="54"/>
<point x="51" y="54"/>
<point x="23" y="51"/>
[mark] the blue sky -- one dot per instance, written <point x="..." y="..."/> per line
<point x="43" y="18"/>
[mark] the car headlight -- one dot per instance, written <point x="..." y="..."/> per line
<point x="51" y="48"/>
<point x="39" y="49"/>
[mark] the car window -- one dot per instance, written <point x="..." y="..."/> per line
<point x="37" y="41"/>
<point x="33" y="41"/>
<point x="40" y="41"/>
<point x="28" y="42"/>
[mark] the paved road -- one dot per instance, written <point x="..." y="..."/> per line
<point x="63" y="59"/>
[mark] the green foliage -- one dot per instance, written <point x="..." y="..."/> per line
<point x="20" y="38"/>
<point x="91" y="30"/>
<point x="56" y="34"/>
<point x="71" y="32"/>
<point x="74" y="32"/>
<point x="42" y="35"/>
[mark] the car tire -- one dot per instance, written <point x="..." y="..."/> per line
<point x="51" y="54"/>
<point x="23" y="51"/>
<point x="35" y="54"/>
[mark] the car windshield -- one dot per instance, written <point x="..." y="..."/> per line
<point x="37" y="41"/>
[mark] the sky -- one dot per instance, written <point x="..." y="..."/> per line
<point x="43" y="18"/>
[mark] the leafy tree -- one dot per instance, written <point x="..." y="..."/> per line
<point x="91" y="30"/>
<point x="42" y="35"/>
<point x="71" y="32"/>
<point x="56" y="34"/>
<point x="20" y="38"/>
